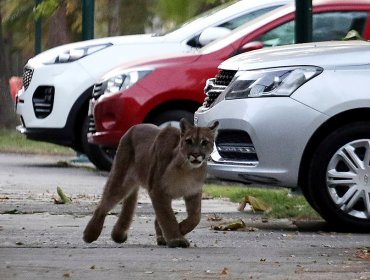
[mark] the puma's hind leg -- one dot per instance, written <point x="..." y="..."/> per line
<point x="119" y="232"/>
<point x="113" y="193"/>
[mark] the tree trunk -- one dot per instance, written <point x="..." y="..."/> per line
<point x="7" y="114"/>
<point x="58" y="32"/>
<point x="113" y="18"/>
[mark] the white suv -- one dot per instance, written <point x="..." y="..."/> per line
<point x="297" y="116"/>
<point x="58" y="83"/>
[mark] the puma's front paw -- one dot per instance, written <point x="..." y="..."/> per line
<point x="93" y="228"/>
<point x="178" y="242"/>
<point x="161" y="241"/>
<point x="92" y="232"/>
<point x="119" y="236"/>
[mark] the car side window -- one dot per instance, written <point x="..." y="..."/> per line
<point x="236" y="22"/>
<point x="325" y="26"/>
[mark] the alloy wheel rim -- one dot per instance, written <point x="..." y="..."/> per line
<point x="348" y="179"/>
<point x="170" y="124"/>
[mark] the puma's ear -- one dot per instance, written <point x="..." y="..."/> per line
<point x="214" y="125"/>
<point x="184" y="125"/>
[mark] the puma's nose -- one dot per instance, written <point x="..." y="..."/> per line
<point x="196" y="157"/>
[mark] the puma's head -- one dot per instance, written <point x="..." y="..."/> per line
<point x="197" y="142"/>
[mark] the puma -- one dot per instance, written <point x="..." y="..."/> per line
<point x="170" y="163"/>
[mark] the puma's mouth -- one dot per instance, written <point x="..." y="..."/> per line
<point x="196" y="161"/>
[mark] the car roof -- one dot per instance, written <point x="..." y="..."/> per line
<point x="212" y="17"/>
<point x="278" y="15"/>
<point x="324" y="54"/>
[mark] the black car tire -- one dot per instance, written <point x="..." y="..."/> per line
<point x="329" y="200"/>
<point x="101" y="157"/>
<point x="172" y="117"/>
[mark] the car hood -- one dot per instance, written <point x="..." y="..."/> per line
<point x="324" y="54"/>
<point x="51" y="54"/>
<point x="154" y="63"/>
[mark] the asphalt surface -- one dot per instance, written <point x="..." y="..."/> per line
<point x="43" y="240"/>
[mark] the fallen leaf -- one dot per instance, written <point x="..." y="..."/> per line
<point x="14" y="211"/>
<point x="234" y="225"/>
<point x="256" y="204"/>
<point x="214" y="218"/>
<point x="63" y="199"/>
<point x="242" y="205"/>
<point x="225" y="271"/>
<point x="67" y="275"/>
<point x="206" y="196"/>
<point x="363" y="253"/>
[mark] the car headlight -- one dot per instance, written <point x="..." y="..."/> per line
<point x="125" y="80"/>
<point x="77" y="53"/>
<point x="270" y="82"/>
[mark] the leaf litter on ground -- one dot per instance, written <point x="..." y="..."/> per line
<point x="63" y="198"/>
<point x="257" y="204"/>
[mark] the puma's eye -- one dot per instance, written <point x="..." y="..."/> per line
<point x="189" y="141"/>
<point x="204" y="143"/>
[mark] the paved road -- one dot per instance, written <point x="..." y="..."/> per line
<point x="43" y="240"/>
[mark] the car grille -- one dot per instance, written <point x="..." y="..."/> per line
<point x="27" y="76"/>
<point x="98" y="90"/>
<point x="216" y="86"/>
<point x="235" y="145"/>
<point x="91" y="128"/>
<point x="43" y="100"/>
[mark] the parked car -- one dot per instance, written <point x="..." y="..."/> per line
<point x="15" y="84"/>
<point x="58" y="83"/>
<point x="297" y="116"/>
<point x="161" y="91"/>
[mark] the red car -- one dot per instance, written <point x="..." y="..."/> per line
<point x="163" y="90"/>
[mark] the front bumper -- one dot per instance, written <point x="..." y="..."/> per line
<point x="279" y="129"/>
<point x="113" y="114"/>
<point x="59" y="136"/>
<point x="52" y="89"/>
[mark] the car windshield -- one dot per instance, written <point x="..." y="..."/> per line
<point x="247" y="28"/>
<point x="195" y="20"/>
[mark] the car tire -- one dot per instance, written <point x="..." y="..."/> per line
<point x="172" y="118"/>
<point x="339" y="177"/>
<point x="101" y="157"/>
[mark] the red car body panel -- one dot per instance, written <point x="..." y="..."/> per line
<point x="182" y="78"/>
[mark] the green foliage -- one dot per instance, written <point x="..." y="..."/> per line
<point x="178" y="11"/>
<point x="46" y="8"/>
<point x="12" y="141"/>
<point x="282" y="203"/>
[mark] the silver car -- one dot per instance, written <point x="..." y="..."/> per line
<point x="297" y="116"/>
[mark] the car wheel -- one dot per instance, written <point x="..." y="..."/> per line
<point x="101" y="157"/>
<point x="339" y="177"/>
<point x="172" y="118"/>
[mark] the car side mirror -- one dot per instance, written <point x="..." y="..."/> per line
<point x="211" y="34"/>
<point x="251" y="46"/>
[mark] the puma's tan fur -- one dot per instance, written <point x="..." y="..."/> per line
<point x="169" y="163"/>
